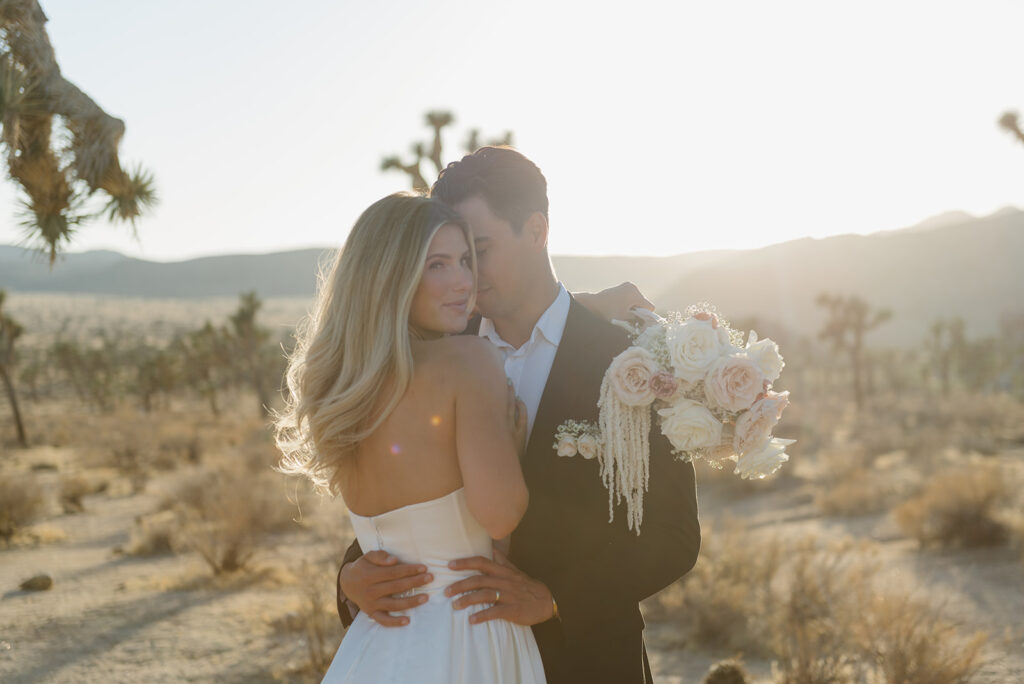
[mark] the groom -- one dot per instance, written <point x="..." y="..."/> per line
<point x="573" y="576"/>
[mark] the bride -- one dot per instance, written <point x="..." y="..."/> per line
<point x="419" y="432"/>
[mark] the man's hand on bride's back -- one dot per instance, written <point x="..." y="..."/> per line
<point x="373" y="582"/>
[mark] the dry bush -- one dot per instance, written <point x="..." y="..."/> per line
<point x="21" y="502"/>
<point x="154" y="534"/>
<point x="958" y="507"/>
<point x="224" y="513"/>
<point x="729" y="671"/>
<point x="926" y="425"/>
<point x="907" y="641"/>
<point x="722" y="600"/>
<point x="858" y="492"/>
<point x="319" y="617"/>
<point x="72" y="489"/>
<point x="315" y="620"/>
<point x="813" y="607"/>
<point x="812" y="625"/>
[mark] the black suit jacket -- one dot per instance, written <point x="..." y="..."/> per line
<point x="597" y="571"/>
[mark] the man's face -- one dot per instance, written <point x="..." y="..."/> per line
<point x="503" y="258"/>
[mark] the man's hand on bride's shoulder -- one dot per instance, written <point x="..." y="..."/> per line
<point x="514" y="595"/>
<point x="374" y="581"/>
<point x="616" y="303"/>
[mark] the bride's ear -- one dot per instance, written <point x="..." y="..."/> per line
<point x="536" y="229"/>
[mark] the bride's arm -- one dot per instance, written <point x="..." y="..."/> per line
<point x="488" y="437"/>
<point x="615" y="303"/>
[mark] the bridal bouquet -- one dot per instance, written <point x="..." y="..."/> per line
<point x="712" y="394"/>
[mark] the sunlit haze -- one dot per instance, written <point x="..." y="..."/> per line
<point x="661" y="127"/>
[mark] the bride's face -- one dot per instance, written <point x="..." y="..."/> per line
<point x="442" y="297"/>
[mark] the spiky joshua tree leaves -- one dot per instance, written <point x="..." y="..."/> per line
<point x="61" y="148"/>
<point x="10" y="331"/>
<point x="437" y="121"/>
<point x="849" y="319"/>
<point x="1010" y="122"/>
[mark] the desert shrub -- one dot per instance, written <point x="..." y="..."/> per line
<point x="224" y="513"/>
<point x="907" y="640"/>
<point x="319" y="617"/>
<point x="958" y="507"/>
<point x="177" y="451"/>
<point x="811" y="625"/>
<point x="727" y="672"/>
<point x="21" y="502"/>
<point x="728" y="590"/>
<point x="154" y="534"/>
<point x="72" y="489"/>
<point x="857" y="492"/>
<point x="814" y="607"/>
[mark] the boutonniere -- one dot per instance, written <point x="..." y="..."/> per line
<point x="578" y="437"/>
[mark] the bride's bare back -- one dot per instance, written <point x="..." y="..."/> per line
<point x="449" y="430"/>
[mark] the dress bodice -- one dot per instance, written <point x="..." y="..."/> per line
<point x="432" y="533"/>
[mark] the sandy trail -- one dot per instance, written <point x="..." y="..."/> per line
<point x="114" y="618"/>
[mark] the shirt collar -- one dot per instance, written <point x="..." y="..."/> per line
<point x="550" y="325"/>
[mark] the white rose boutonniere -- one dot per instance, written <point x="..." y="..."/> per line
<point x="578" y="437"/>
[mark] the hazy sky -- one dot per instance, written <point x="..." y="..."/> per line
<point x="661" y="127"/>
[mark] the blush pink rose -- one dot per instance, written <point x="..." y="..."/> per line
<point x="664" y="385"/>
<point x="630" y="375"/>
<point x="733" y="382"/>
<point x="755" y="426"/>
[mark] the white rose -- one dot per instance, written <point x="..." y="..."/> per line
<point x="688" y="425"/>
<point x="762" y="461"/>
<point x="765" y="354"/>
<point x="587" y="446"/>
<point x="567" y="446"/>
<point x="693" y="345"/>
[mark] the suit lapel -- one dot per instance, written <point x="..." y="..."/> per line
<point x="558" y="393"/>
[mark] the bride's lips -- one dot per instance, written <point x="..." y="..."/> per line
<point x="459" y="306"/>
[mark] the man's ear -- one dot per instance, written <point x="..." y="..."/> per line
<point x="536" y="230"/>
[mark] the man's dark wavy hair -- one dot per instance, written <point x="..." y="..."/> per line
<point x="511" y="184"/>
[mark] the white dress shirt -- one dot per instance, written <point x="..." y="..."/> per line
<point x="529" y="365"/>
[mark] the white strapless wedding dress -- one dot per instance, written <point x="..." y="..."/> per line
<point x="439" y="645"/>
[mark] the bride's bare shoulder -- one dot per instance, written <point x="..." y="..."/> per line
<point x="459" y="354"/>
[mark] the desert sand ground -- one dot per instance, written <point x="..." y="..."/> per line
<point x="115" y="617"/>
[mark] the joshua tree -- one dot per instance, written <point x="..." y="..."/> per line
<point x="61" y="148"/>
<point x="248" y="340"/>
<point x="10" y="331"/>
<point x="156" y="375"/>
<point x="1010" y="122"/>
<point x="438" y="121"/>
<point x="947" y="346"/>
<point x="93" y="371"/>
<point x="203" y="355"/>
<point x="849" y="319"/>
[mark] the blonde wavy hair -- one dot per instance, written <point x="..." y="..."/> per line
<point x="353" y="353"/>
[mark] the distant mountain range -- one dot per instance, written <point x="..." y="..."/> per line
<point x="952" y="264"/>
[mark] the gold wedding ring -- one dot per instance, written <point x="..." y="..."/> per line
<point x="497" y="595"/>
